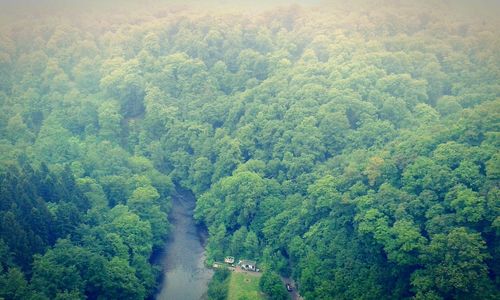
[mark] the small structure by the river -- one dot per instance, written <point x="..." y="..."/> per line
<point x="248" y="265"/>
<point x="229" y="260"/>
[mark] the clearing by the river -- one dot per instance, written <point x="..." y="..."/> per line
<point x="244" y="285"/>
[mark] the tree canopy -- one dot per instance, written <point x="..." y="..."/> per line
<point x="352" y="146"/>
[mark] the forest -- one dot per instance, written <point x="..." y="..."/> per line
<point x="350" y="145"/>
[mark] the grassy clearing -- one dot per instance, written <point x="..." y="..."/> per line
<point x="244" y="286"/>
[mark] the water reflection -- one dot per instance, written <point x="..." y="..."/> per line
<point x="185" y="276"/>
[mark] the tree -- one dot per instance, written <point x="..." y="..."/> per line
<point x="201" y="174"/>
<point x="237" y="244"/>
<point x="14" y="285"/>
<point x="270" y="283"/>
<point x="55" y="144"/>
<point x="110" y="120"/>
<point x="17" y="131"/>
<point x="54" y="272"/>
<point x="448" y="105"/>
<point x="218" y="286"/>
<point x="468" y="205"/>
<point x="136" y="234"/>
<point x="229" y="156"/>
<point x="121" y="281"/>
<point x="124" y="82"/>
<point x="144" y="202"/>
<point x="251" y="245"/>
<point x="454" y="266"/>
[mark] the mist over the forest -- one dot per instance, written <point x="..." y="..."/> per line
<point x="349" y="149"/>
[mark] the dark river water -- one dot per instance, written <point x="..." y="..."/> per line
<point x="185" y="276"/>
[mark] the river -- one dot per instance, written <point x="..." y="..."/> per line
<point x="185" y="275"/>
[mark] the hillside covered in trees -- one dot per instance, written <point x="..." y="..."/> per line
<point x="351" y="146"/>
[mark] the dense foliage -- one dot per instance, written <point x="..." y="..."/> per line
<point x="270" y="283"/>
<point x="354" y="148"/>
<point x="218" y="286"/>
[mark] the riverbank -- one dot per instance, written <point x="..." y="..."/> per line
<point x="185" y="275"/>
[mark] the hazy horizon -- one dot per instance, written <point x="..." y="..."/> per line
<point x="349" y="148"/>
